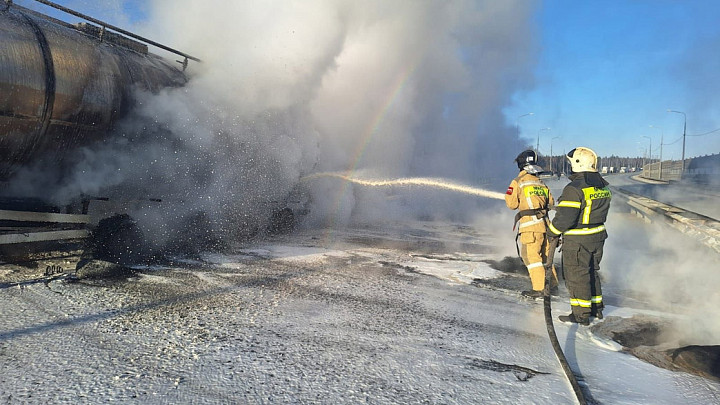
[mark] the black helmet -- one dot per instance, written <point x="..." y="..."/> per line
<point x="528" y="157"/>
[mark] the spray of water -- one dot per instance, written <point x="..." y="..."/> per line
<point x="413" y="181"/>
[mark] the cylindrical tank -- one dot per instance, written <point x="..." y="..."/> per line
<point x="64" y="86"/>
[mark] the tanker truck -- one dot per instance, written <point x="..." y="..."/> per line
<point x="64" y="86"/>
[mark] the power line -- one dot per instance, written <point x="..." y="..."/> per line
<point x="674" y="142"/>
<point x="706" y="133"/>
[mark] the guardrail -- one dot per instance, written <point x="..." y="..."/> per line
<point x="31" y="227"/>
<point x="702" y="228"/>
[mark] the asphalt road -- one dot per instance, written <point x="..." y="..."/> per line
<point x="359" y="316"/>
<point x="348" y="324"/>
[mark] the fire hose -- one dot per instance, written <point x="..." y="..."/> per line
<point x="551" y="328"/>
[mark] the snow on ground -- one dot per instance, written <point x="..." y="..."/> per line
<point x="413" y="313"/>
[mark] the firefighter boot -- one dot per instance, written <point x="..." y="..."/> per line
<point x="534" y="294"/>
<point x="571" y="318"/>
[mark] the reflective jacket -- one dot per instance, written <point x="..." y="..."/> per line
<point x="532" y="197"/>
<point x="582" y="208"/>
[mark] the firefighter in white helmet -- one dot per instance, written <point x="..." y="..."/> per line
<point x="528" y="194"/>
<point x="580" y="218"/>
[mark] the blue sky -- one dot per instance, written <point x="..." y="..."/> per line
<point x="122" y="13"/>
<point x="609" y="69"/>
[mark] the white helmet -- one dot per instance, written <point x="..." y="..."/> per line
<point x="582" y="160"/>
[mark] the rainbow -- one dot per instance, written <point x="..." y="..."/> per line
<point x="397" y="87"/>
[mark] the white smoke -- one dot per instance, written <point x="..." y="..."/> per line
<point x="670" y="271"/>
<point x="392" y="88"/>
<point x="290" y="88"/>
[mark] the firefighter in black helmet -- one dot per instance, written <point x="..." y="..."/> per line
<point x="528" y="194"/>
<point x="580" y="218"/>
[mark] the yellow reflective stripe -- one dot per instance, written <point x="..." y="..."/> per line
<point x="586" y="212"/>
<point x="580" y="303"/>
<point x="553" y="229"/>
<point x="588" y="205"/>
<point x="596" y="299"/>
<point x="571" y="204"/>
<point x="532" y="222"/>
<point x="531" y="183"/>
<point x="534" y="265"/>
<point x="585" y="231"/>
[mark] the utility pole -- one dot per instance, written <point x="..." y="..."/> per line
<point x="537" y="148"/>
<point x="551" y="155"/>
<point x="662" y="135"/>
<point x="650" y="151"/>
<point x="661" y="145"/>
<point x="682" y="172"/>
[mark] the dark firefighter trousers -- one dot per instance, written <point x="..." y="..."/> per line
<point x="581" y="261"/>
